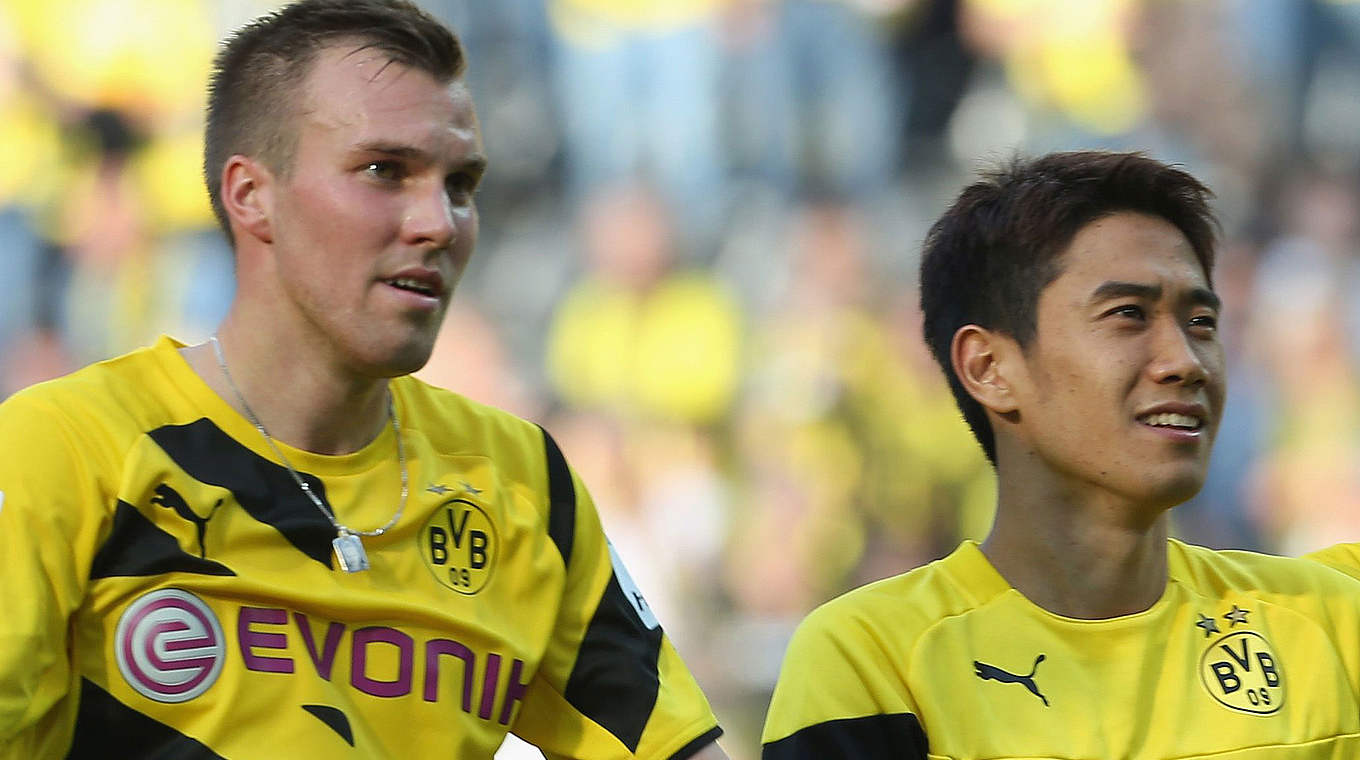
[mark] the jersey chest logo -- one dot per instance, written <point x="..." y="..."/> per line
<point x="460" y="546"/>
<point x="1240" y="669"/>
<point x="992" y="673"/>
<point x="169" y="646"/>
<point x="170" y="499"/>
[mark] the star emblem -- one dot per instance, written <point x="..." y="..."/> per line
<point x="1209" y="625"/>
<point x="439" y="488"/>
<point x="468" y="487"/>
<point x="1235" y="616"/>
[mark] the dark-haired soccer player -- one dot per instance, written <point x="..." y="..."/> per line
<point x="1069" y="299"/>
<point x="277" y="544"/>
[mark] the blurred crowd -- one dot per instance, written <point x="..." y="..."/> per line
<point x="697" y="267"/>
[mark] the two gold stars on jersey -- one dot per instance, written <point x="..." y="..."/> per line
<point x="1232" y="618"/>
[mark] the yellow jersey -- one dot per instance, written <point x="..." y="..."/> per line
<point x="170" y="591"/>
<point x="1244" y="657"/>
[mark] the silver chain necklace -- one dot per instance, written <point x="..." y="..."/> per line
<point x="349" y="548"/>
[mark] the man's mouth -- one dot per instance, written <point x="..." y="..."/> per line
<point x="1172" y="420"/>
<point x="413" y="285"/>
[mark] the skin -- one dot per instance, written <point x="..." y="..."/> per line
<point x="381" y="184"/>
<point x="1085" y="483"/>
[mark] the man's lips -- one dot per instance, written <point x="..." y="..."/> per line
<point x="421" y="281"/>
<point x="1175" y="417"/>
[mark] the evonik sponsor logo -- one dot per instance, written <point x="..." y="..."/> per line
<point x="382" y="661"/>
<point x="170" y="648"/>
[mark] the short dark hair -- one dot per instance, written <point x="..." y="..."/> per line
<point x="253" y="96"/>
<point x="987" y="259"/>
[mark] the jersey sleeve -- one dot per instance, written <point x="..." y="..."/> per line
<point x="610" y="684"/>
<point x="1343" y="557"/>
<point x="838" y="697"/>
<point x="47" y="530"/>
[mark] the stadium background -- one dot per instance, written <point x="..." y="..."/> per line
<point x="699" y="242"/>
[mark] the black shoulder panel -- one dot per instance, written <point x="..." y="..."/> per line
<point x="873" y="737"/>
<point x="614" y="681"/>
<point x="561" y="499"/>
<point x="264" y="489"/>
<point x="136" y="547"/>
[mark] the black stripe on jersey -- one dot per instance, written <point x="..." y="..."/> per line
<point x="136" y="547"/>
<point x="264" y="489"/>
<point x="334" y="718"/>
<point x="108" y="728"/>
<point x="705" y="739"/>
<point x="614" y="681"/>
<point x="897" y="735"/>
<point x="561" y="499"/>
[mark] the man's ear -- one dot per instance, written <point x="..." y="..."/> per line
<point x="247" y="196"/>
<point x="984" y="361"/>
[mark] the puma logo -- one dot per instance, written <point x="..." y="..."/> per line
<point x="993" y="673"/>
<point x="170" y="498"/>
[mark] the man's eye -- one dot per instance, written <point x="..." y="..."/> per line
<point x="388" y="171"/>
<point x="1132" y="311"/>
<point x="1204" y="321"/>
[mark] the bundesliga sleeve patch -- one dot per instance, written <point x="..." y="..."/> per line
<point x="632" y="592"/>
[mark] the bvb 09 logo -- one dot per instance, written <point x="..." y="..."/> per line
<point x="1241" y="672"/>
<point x="459" y="544"/>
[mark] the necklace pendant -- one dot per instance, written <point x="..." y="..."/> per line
<point x="349" y="551"/>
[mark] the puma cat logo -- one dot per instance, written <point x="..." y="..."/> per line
<point x="993" y="673"/>
<point x="169" y="497"/>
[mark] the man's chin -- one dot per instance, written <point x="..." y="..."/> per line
<point x="400" y="360"/>
<point x="1179" y="488"/>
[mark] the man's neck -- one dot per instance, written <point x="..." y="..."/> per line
<point x="297" y="396"/>
<point x="1078" y="555"/>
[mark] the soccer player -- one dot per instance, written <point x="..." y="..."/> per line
<point x="278" y="544"/>
<point x="1069" y="300"/>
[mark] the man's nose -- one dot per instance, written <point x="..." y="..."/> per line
<point x="430" y="221"/>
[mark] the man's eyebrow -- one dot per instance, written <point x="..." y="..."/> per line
<point x="1206" y="297"/>
<point x="1118" y="289"/>
<point x="472" y="162"/>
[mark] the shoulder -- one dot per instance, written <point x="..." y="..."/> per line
<point x="891" y="614"/>
<point x="523" y="454"/>
<point x="1219" y="571"/>
<point x="1342" y="557"/>
<point x="455" y="424"/>
<point x="96" y="395"/>
<point x="845" y="683"/>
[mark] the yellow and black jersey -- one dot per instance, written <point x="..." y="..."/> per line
<point x="1245" y="657"/>
<point x="170" y="591"/>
